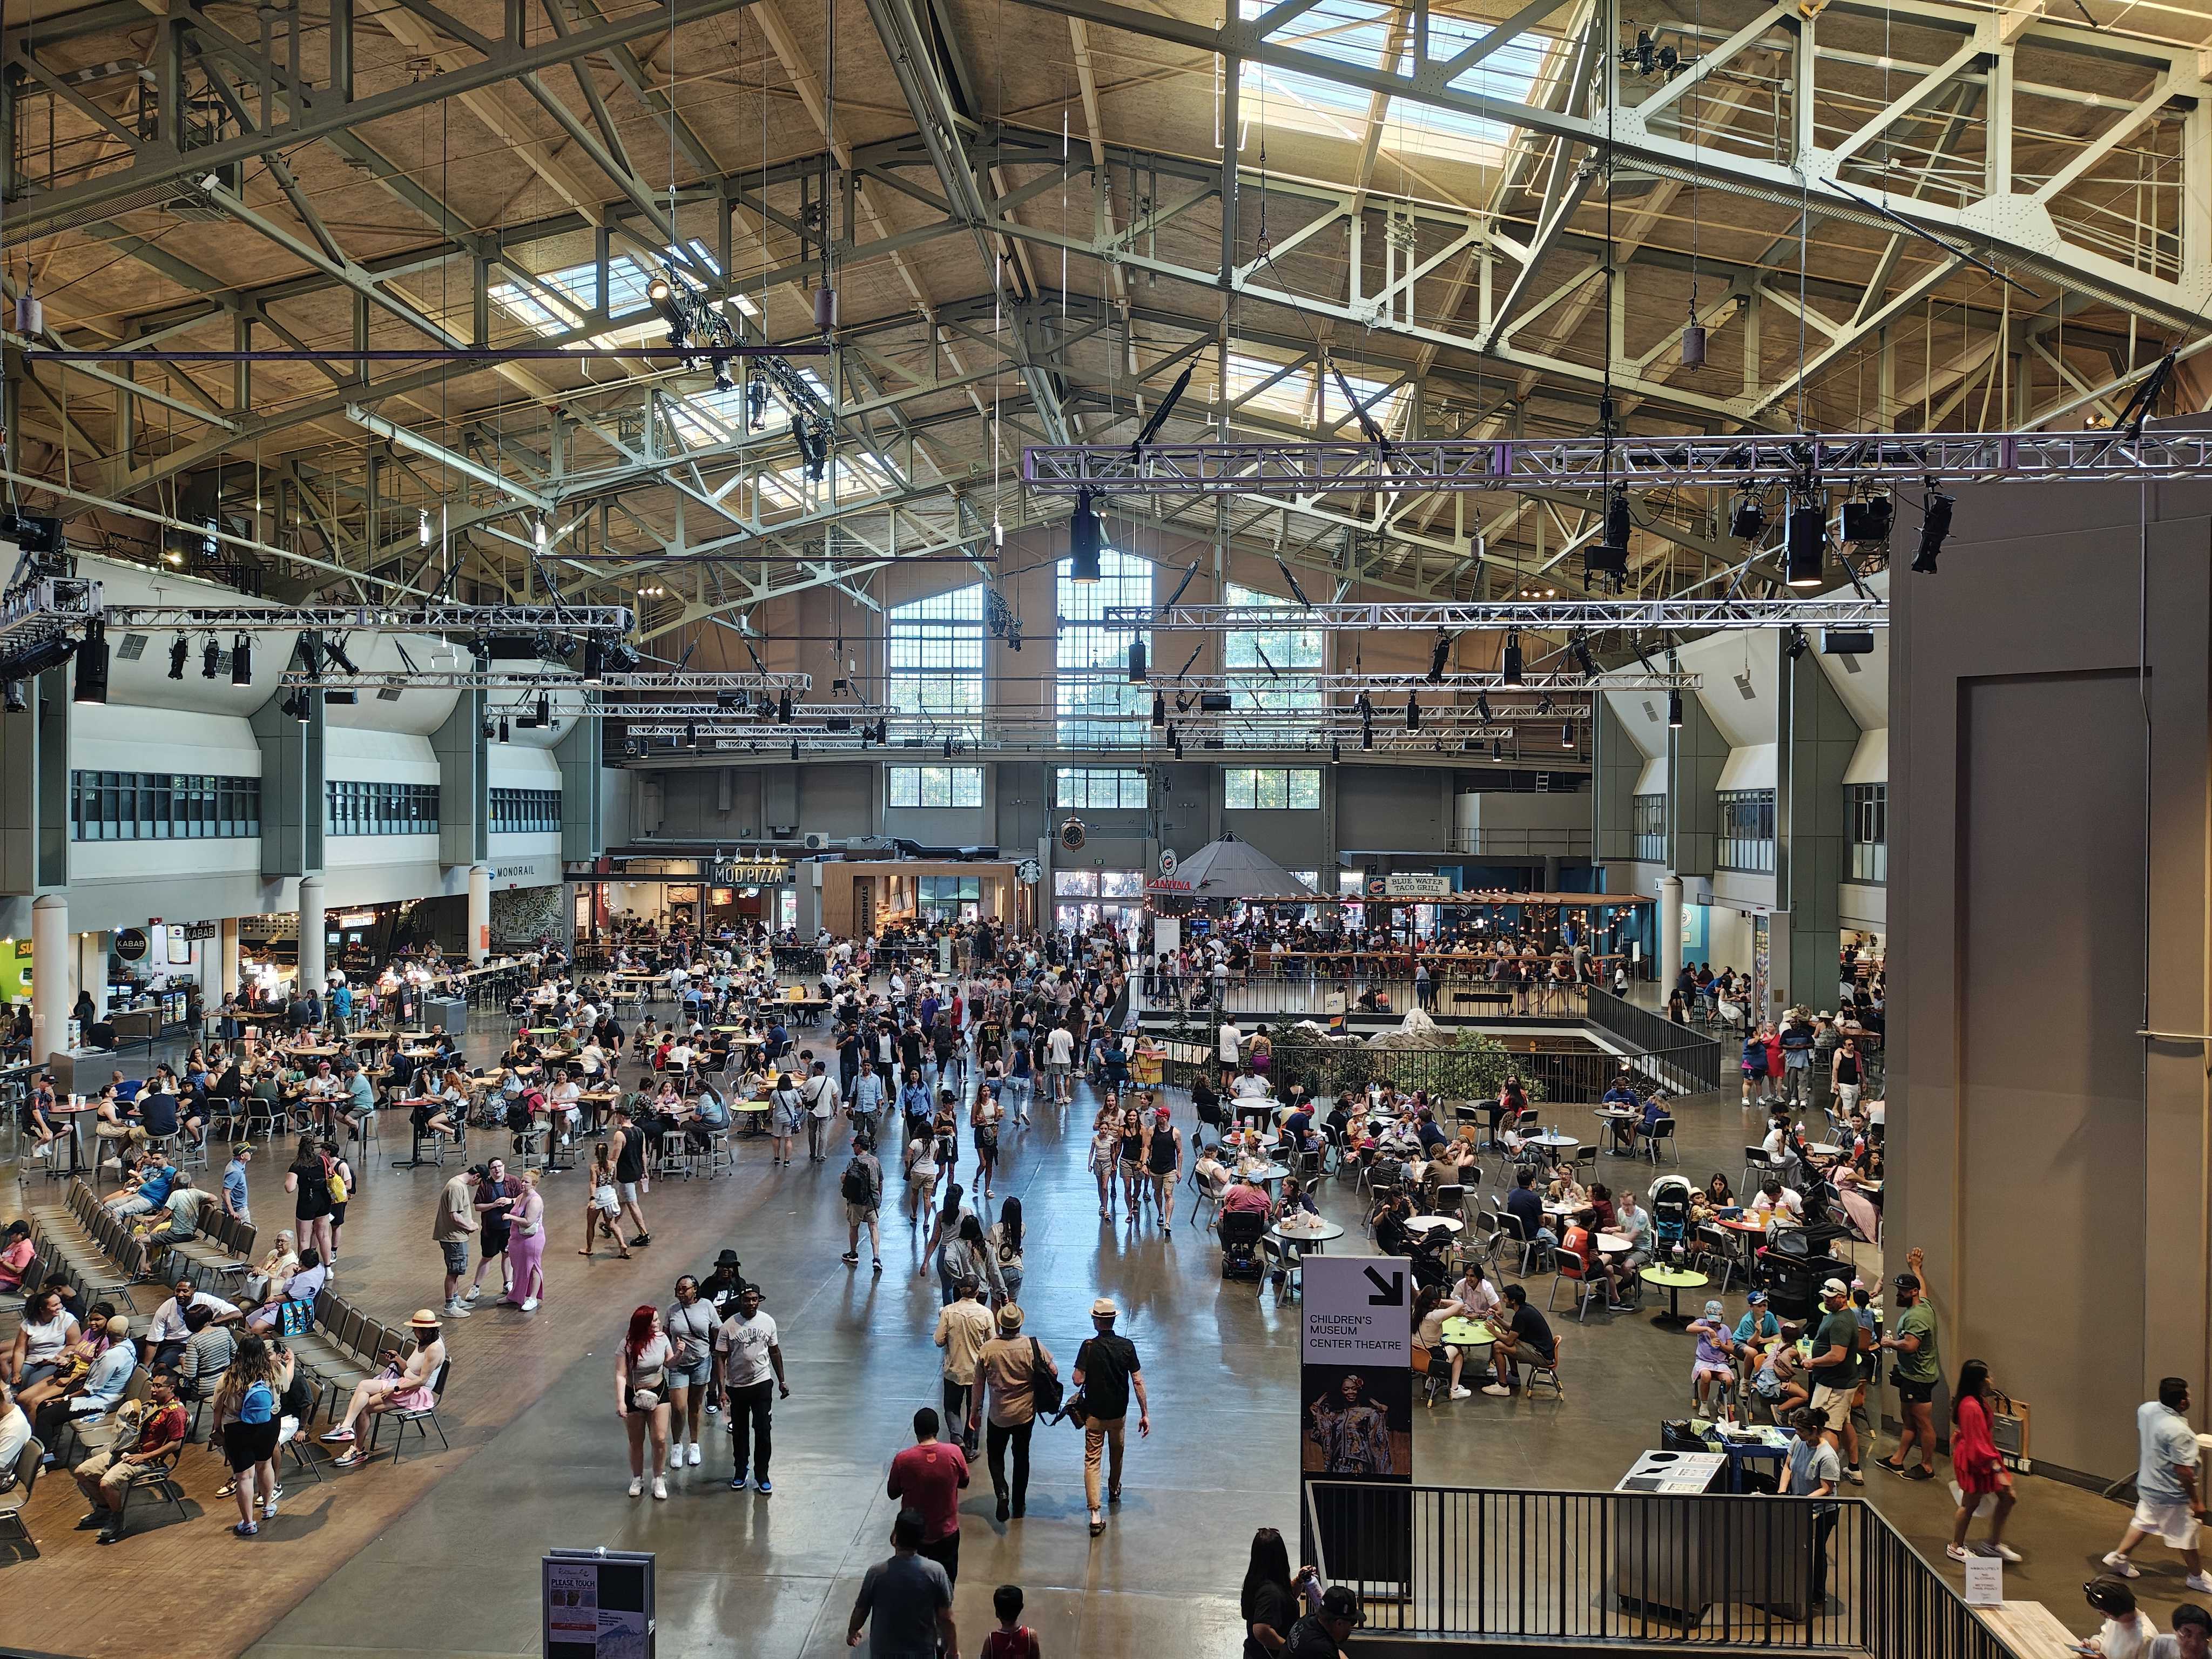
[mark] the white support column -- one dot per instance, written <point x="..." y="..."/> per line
<point x="312" y="927"/>
<point x="1670" y="933"/>
<point x="479" y="912"/>
<point x="50" y="975"/>
<point x="226" y="929"/>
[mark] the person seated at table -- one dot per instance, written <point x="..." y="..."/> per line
<point x="1707" y="1203"/>
<point x="1787" y="1208"/>
<point x="1562" y="1187"/>
<point x="1211" y="1173"/>
<point x="147" y="1187"/>
<point x="1778" y="1382"/>
<point x="710" y="1113"/>
<point x="1296" y="1200"/>
<point x="1246" y="1196"/>
<point x="1656" y="1111"/>
<point x="1387" y="1224"/>
<point x="1712" y="1369"/>
<point x="1526" y="1207"/>
<point x="1432" y="1306"/>
<point x="1524" y="1338"/>
<point x="1601" y="1207"/>
<point x="1427" y="1130"/>
<point x="1250" y="1085"/>
<point x="1476" y="1294"/>
<point x="436" y="1114"/>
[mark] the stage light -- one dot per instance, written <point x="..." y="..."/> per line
<point x="241" y="660"/>
<point x="1867" y="519"/>
<point x="504" y="733"/>
<point x="1510" y="675"/>
<point x="210" y="659"/>
<point x="422" y="527"/>
<point x="1693" y="346"/>
<point x="658" y="290"/>
<point x="595" y="663"/>
<point x="1674" y="711"/>
<point x="16" y="702"/>
<point x="722" y="380"/>
<point x="180" y="650"/>
<point x="544" y="709"/>
<point x="92" y="665"/>
<point x="1498" y="749"/>
<point x="1335" y="751"/>
<point x="1583" y="661"/>
<point x="1136" y="662"/>
<point x="1439" y="656"/>
<point x="1747" y="518"/>
<point x="1085" y="538"/>
<point x="1807" y="543"/>
<point x="1795" y="642"/>
<point x="1482" y="707"/>
<point x="1934" y="527"/>
<point x="1412" y="712"/>
<point x="336" y="653"/>
<point x="1160" y="710"/>
<point x="783" y="707"/>
<point x="1567" y="740"/>
<point x="948" y="745"/>
<point x="538" y="532"/>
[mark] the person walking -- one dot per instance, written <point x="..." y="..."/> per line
<point x="642" y="1395"/>
<point x="1918" y="1370"/>
<point x="629" y="1144"/>
<point x="1108" y="1370"/>
<point x="905" y="1604"/>
<point x="785" y="1112"/>
<point x="2169" y="1501"/>
<point x="983" y="1120"/>
<point x="525" y="1247"/>
<point x="246" y="1425"/>
<point x="964" y="1326"/>
<point x="1164" y="1163"/>
<point x="929" y="1476"/>
<point x="1811" y="1471"/>
<point x="820" y="1095"/>
<point x="862" y="1188"/>
<point x="1977" y="1465"/>
<point x="1004" y="1248"/>
<point x="747" y="1365"/>
<point x="1010" y="1365"/>
<point x="691" y="1323"/>
<point x="309" y="1184"/>
<point x="451" y="1227"/>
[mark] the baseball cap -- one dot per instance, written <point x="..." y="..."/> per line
<point x="1103" y="1308"/>
<point x="1713" y="1308"/>
<point x="1338" y="1601"/>
<point x="1757" y="1298"/>
<point x="1835" y="1287"/>
<point x="1908" y="1281"/>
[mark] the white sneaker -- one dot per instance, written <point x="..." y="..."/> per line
<point x="530" y="1304"/>
<point x="2118" y="1564"/>
<point x="2200" y="1581"/>
<point x="1458" y="1392"/>
<point x="457" y="1310"/>
<point x="2007" y="1552"/>
<point x="1497" y="1388"/>
<point x="637" y="1485"/>
<point x="693" y="1458"/>
<point x="1956" y="1552"/>
<point x="659" y="1488"/>
<point x="475" y="1291"/>
<point x="268" y="1509"/>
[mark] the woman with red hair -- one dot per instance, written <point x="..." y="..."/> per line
<point x="641" y="1396"/>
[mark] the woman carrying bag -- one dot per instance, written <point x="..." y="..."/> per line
<point x="641" y="1396"/>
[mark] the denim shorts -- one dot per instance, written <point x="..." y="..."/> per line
<point x="691" y="1376"/>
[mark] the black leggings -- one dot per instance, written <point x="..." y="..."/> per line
<point x="995" y="1440"/>
<point x="750" y="1407"/>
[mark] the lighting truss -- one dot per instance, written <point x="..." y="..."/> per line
<point x="1569" y="682"/>
<point x="601" y="621"/>
<point x="1537" y="615"/>
<point x="34" y="611"/>
<point x="748" y="720"/>
<point x="1427" y="466"/>
<point x="567" y="680"/>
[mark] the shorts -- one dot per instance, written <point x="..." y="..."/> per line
<point x="1849" y="1093"/>
<point x="604" y="1200"/>
<point x="456" y="1254"/>
<point x="2176" y="1527"/>
<point x="246" y="1444"/>
<point x="858" y="1215"/>
<point x="337" y="1215"/>
<point x="1910" y="1393"/>
<point x="691" y="1376"/>
<point x="627" y="1190"/>
<point x="1834" y="1405"/>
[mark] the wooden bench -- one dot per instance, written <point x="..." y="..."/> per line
<point x="2031" y="1630"/>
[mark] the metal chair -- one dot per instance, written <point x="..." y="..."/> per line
<point x="159" y="1476"/>
<point x="1569" y="1268"/>
<point x="417" y="1417"/>
<point x="1275" y="1259"/>
<point x="1662" y="1129"/>
<point x="12" y="1502"/>
<point x="1510" y="1228"/>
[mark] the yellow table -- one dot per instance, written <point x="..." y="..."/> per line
<point x="1676" y="1280"/>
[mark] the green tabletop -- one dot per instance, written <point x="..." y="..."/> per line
<point x="1673" y="1279"/>
<point x="1467" y="1333"/>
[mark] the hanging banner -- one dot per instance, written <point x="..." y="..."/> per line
<point x="597" y="1604"/>
<point x="1356" y="1419"/>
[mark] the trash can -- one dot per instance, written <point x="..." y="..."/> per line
<point x="447" y="1014"/>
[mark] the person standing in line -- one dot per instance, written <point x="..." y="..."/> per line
<point x="905" y="1604"/>
<point x="629" y="1146"/>
<point x="691" y="1323"/>
<point x="1836" y="1371"/>
<point x="1009" y="1366"/>
<point x="1108" y="1370"/>
<point x="1917" y="1370"/>
<point x="451" y="1227"/>
<point x="641" y="1396"/>
<point x="747" y="1365"/>
<point x="2168" y="1499"/>
<point x="862" y="1187"/>
<point x="495" y="1196"/>
<point x="1977" y="1465"/>
<point x="929" y="1476"/>
<point x="964" y="1326"/>
<point x="526" y="1246"/>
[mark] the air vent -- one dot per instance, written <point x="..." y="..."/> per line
<point x="1651" y="711"/>
<point x="130" y="648"/>
<point x="1850" y="664"/>
<point x="388" y="694"/>
<point x="1743" y="684"/>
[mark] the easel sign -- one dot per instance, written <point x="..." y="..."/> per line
<point x="597" y="1604"/>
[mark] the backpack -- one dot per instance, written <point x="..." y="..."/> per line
<point x="1044" y="1387"/>
<point x="856" y="1186"/>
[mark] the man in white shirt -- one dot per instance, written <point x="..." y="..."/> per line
<point x="1230" y="1049"/>
<point x="1058" y="1059"/>
<point x="819" y="1095"/>
<point x="746" y="1355"/>
<point x="166" y="1336"/>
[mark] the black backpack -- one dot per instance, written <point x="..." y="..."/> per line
<point x="1044" y="1387"/>
<point x="856" y="1186"/>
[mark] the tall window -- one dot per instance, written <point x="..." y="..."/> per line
<point x="1651" y="829"/>
<point x="1260" y="788"/>
<point x="1264" y="664"/>
<point x="1093" y="678"/>
<point x="936" y="786"/>
<point x="1747" y="839"/>
<point x="162" y="806"/>
<point x="1098" y="789"/>
<point x="937" y="659"/>
<point x="522" y="811"/>
<point x="380" y="809"/>
<point x="1866" y="811"/>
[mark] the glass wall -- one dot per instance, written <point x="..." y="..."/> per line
<point x="1092" y="662"/>
<point x="162" y="806"/>
<point x="936" y="647"/>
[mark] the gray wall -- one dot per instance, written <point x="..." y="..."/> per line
<point x="2051" y="1163"/>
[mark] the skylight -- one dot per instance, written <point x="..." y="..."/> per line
<point x="856" y="476"/>
<point x="1292" y="396"/>
<point x="628" y="278"/>
<point x="708" y="418"/>
<point x="1359" y="32"/>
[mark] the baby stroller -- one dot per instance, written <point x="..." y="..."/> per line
<point x="1240" y="1231"/>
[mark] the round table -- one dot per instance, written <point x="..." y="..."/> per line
<point x="1614" y="1117"/>
<point x="1676" y="1280"/>
<point x="1468" y="1333"/>
<point x="756" y="1109"/>
<point x="1615" y="1244"/>
<point x="1554" y="1139"/>
<point x="1270" y="1173"/>
<point x="1423" y="1223"/>
<point x="1308" y="1240"/>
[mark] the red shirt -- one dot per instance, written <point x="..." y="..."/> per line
<point x="929" y="1477"/>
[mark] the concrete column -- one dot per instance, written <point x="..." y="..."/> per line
<point x="313" y="925"/>
<point x="1670" y="933"/>
<point x="226" y="929"/>
<point x="50" y="975"/>
<point x="479" y="912"/>
<point x="88" y="957"/>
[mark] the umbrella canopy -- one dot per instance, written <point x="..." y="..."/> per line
<point x="1230" y="868"/>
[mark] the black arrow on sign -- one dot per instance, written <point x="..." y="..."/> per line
<point x="1393" y="1289"/>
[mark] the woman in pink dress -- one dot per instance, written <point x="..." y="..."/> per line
<point x="525" y="1245"/>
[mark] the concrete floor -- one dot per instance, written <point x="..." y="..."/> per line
<point x="538" y="1459"/>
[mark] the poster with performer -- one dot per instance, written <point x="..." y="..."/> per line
<point x="1356" y="1419"/>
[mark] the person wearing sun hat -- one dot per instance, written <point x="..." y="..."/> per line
<point x="400" y="1385"/>
<point x="1009" y="1367"/>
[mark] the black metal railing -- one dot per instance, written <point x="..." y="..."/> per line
<point x="1297" y="995"/>
<point x="1697" y="1061"/>
<point x="799" y="960"/>
<point x="1639" y="1568"/>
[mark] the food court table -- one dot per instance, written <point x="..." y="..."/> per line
<point x="1308" y="1239"/>
<point x="1676" y="1280"/>
<point x="1554" y="1139"/>
<point x="1266" y="1174"/>
<point x="1616" y="1120"/>
<point x="755" y="1109"/>
<point x="1423" y="1223"/>
<point x="1614" y="1243"/>
<point x="1468" y="1333"/>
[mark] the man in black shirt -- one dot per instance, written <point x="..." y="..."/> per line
<point x="1322" y="1633"/>
<point x="1526" y="1339"/>
<point x="1107" y="1370"/>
